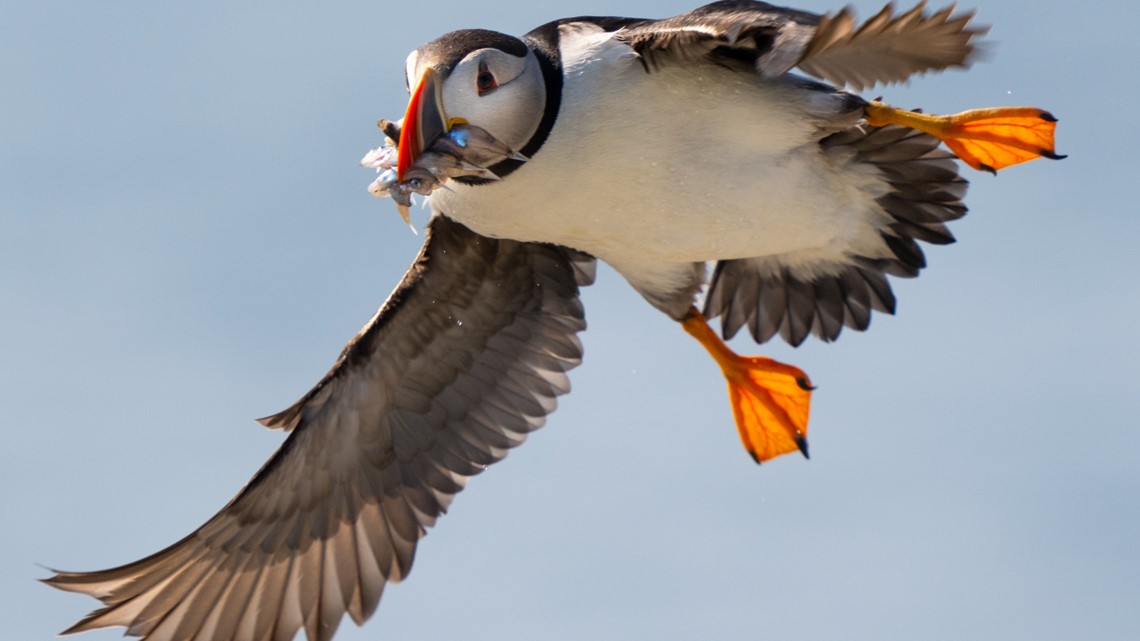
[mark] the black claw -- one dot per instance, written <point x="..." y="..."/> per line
<point x="801" y="442"/>
<point x="1052" y="155"/>
<point x="985" y="167"/>
<point x="1045" y="115"/>
<point x="804" y="385"/>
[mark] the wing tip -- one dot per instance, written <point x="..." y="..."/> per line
<point x="83" y="625"/>
<point x="953" y="31"/>
<point x="67" y="581"/>
<point x="285" y="419"/>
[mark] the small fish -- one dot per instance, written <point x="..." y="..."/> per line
<point x="444" y="166"/>
<point x="380" y="158"/>
<point x="474" y="145"/>
<point x="464" y="150"/>
<point x="391" y="129"/>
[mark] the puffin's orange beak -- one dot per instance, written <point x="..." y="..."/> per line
<point x="423" y="122"/>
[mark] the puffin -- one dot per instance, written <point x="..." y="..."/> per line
<point x="722" y="156"/>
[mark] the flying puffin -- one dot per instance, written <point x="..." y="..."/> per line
<point x="658" y="146"/>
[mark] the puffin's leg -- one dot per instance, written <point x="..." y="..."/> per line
<point x="986" y="139"/>
<point x="770" y="400"/>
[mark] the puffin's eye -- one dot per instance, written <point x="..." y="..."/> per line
<point x="485" y="81"/>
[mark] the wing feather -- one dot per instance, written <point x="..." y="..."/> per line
<point x="773" y="40"/>
<point x="781" y="294"/>
<point x="464" y="360"/>
<point x="889" y="48"/>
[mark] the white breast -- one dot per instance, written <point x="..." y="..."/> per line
<point x="692" y="162"/>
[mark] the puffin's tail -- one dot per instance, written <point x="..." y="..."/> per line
<point x="775" y="296"/>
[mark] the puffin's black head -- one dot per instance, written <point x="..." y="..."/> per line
<point x="474" y="76"/>
<point x="446" y="51"/>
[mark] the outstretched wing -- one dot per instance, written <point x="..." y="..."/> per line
<point x="463" y="361"/>
<point x="887" y="48"/>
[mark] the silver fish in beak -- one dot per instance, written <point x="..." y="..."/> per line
<point x="426" y="148"/>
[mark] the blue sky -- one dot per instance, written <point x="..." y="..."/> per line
<point x="187" y="243"/>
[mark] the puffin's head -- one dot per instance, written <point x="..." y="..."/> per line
<point x="478" y="77"/>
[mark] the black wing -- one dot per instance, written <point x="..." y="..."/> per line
<point x="887" y="48"/>
<point x="463" y="361"/>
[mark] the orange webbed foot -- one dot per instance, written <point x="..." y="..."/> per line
<point x="770" y="400"/>
<point x="985" y="139"/>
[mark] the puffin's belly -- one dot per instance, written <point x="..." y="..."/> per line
<point x="681" y="165"/>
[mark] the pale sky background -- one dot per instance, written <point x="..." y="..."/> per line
<point x="187" y="243"/>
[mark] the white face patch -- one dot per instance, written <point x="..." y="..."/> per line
<point x="491" y="89"/>
<point x="499" y="92"/>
